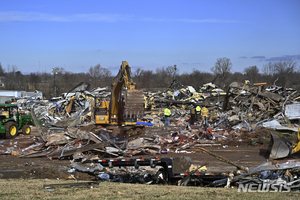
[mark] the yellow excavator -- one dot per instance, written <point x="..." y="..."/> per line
<point x="281" y="147"/>
<point x="126" y="104"/>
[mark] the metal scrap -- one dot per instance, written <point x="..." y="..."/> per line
<point x="69" y="131"/>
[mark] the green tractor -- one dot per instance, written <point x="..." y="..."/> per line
<point x="11" y="121"/>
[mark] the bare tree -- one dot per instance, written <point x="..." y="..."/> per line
<point x="196" y="78"/>
<point x="281" y="70"/>
<point x="11" y="82"/>
<point x="137" y="75"/>
<point x="222" y="68"/>
<point x="99" y="75"/>
<point x="34" y="81"/>
<point x="105" y="73"/>
<point x="172" y="71"/>
<point x="147" y="76"/>
<point x="284" y="69"/>
<point x="95" y="74"/>
<point x="105" y="77"/>
<point x="236" y="76"/>
<point x="251" y="73"/>
<point x="163" y="77"/>
<point x="1" y="70"/>
<point x="11" y="69"/>
<point x="269" y="69"/>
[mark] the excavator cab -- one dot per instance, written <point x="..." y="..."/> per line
<point x="102" y="113"/>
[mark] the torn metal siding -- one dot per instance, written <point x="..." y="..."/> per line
<point x="292" y="111"/>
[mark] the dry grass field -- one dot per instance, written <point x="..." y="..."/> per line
<point x="44" y="189"/>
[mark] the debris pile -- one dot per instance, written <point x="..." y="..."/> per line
<point x="209" y="94"/>
<point x="254" y="103"/>
<point x="71" y="109"/>
<point x="238" y="117"/>
<point x="271" y="176"/>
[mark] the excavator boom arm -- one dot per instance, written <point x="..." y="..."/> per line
<point x="123" y="78"/>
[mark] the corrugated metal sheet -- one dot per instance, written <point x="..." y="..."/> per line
<point x="11" y="93"/>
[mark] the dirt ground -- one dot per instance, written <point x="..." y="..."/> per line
<point x="11" y="166"/>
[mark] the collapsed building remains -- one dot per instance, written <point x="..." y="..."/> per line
<point x="69" y="132"/>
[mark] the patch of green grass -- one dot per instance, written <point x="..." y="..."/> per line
<point x="269" y="131"/>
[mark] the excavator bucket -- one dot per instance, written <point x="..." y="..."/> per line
<point x="279" y="147"/>
<point x="134" y="105"/>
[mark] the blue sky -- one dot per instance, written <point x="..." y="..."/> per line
<point x="39" y="35"/>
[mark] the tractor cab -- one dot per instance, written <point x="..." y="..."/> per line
<point x="8" y="112"/>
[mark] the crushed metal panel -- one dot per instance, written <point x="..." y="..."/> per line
<point x="292" y="111"/>
<point x="68" y="122"/>
<point x="268" y="166"/>
<point x="56" y="139"/>
<point x="191" y="89"/>
<point x="80" y="87"/>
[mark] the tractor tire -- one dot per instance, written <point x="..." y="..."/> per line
<point x="26" y="130"/>
<point x="11" y="130"/>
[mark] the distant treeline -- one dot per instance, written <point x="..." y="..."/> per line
<point x="281" y="73"/>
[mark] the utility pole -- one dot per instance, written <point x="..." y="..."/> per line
<point x="174" y="75"/>
<point x="54" y="72"/>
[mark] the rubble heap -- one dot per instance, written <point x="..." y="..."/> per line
<point x="235" y="117"/>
